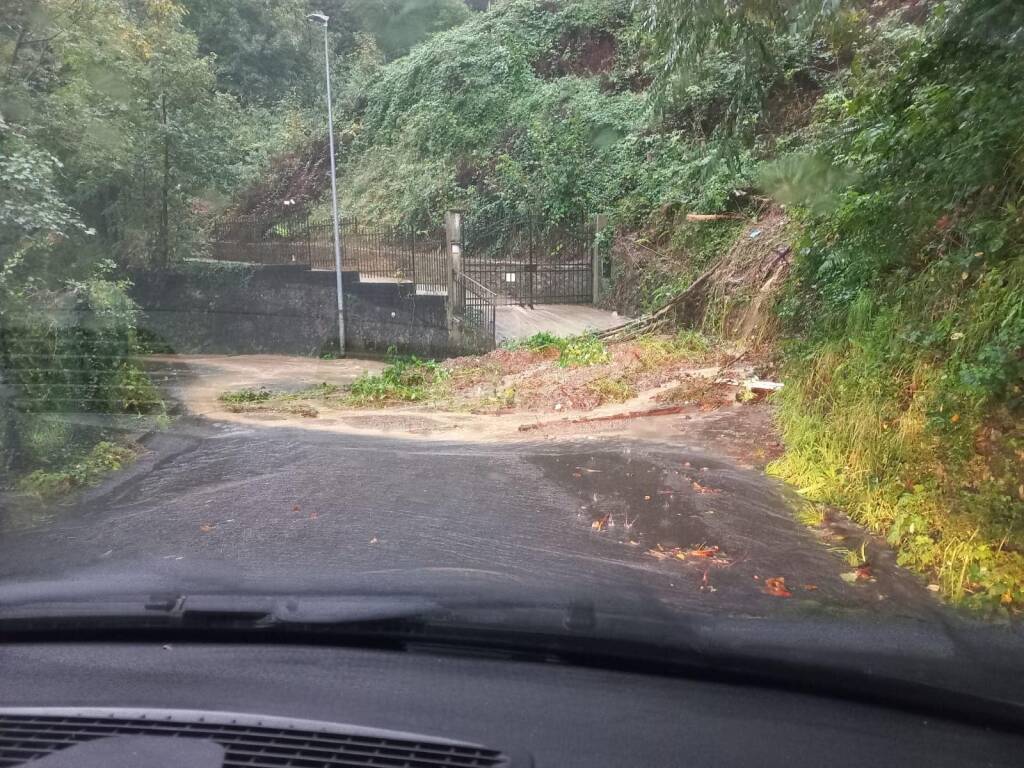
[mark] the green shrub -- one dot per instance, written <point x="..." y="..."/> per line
<point x="404" y="380"/>
<point x="75" y="350"/>
<point x="582" y="351"/>
<point x="539" y="342"/>
<point x="612" y="390"/>
<point x="686" y="345"/>
<point x="44" y="440"/>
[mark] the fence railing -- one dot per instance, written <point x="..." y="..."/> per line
<point x="479" y="305"/>
<point x="403" y="254"/>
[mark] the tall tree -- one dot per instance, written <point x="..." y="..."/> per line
<point x="114" y="90"/>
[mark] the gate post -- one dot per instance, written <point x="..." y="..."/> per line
<point x="453" y="235"/>
<point x="600" y="222"/>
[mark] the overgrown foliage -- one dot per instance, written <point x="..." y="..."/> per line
<point x="541" y="108"/>
<point x="904" y="398"/>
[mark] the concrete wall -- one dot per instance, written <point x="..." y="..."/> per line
<point x="230" y="308"/>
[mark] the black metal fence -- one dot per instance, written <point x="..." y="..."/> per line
<point x="523" y="261"/>
<point x="404" y="254"/>
<point x="526" y="261"/>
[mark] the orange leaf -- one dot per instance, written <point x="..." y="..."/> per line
<point x="776" y="586"/>
<point x="703" y="552"/>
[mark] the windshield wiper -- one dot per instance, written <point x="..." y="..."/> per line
<point x="208" y="613"/>
<point x="573" y="634"/>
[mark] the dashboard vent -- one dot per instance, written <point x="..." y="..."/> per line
<point x="253" y="742"/>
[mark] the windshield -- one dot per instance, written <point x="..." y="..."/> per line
<point x="626" y="315"/>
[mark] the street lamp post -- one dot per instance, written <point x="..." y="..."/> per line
<point x="322" y="20"/>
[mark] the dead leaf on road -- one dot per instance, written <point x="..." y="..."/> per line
<point x="703" y="489"/>
<point x="207" y="527"/>
<point x="703" y="552"/>
<point x="708" y="554"/>
<point x="776" y="586"/>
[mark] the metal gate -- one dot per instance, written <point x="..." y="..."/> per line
<point x="525" y="261"/>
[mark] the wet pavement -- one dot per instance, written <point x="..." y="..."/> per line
<point x="662" y="520"/>
<point x="514" y="322"/>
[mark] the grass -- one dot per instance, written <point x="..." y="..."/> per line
<point x="685" y="346"/>
<point x="82" y="471"/>
<point x="262" y="400"/>
<point x="903" y="467"/>
<point x="246" y="396"/>
<point x="612" y="390"/>
<point x="539" y="342"/>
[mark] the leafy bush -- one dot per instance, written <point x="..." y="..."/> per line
<point x="506" y="115"/>
<point x="75" y="350"/>
<point x="582" y="351"/>
<point x="573" y="351"/>
<point x="656" y="351"/>
<point x="85" y="470"/>
<point x="539" y="342"/>
<point x="404" y="380"/>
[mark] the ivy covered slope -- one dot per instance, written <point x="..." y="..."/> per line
<point x="532" y="105"/>
<point x="905" y="384"/>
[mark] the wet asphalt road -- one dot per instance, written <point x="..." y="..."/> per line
<point x="240" y="504"/>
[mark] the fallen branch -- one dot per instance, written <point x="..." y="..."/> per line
<point x="715" y="217"/>
<point x="655" y="320"/>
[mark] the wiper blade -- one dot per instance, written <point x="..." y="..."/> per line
<point x="212" y="611"/>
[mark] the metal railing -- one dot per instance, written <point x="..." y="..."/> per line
<point x="479" y="308"/>
<point x="402" y="254"/>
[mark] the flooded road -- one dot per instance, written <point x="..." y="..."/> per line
<point x="664" y="522"/>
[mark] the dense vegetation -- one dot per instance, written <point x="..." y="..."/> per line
<point x="893" y="133"/>
<point x="905" y="399"/>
